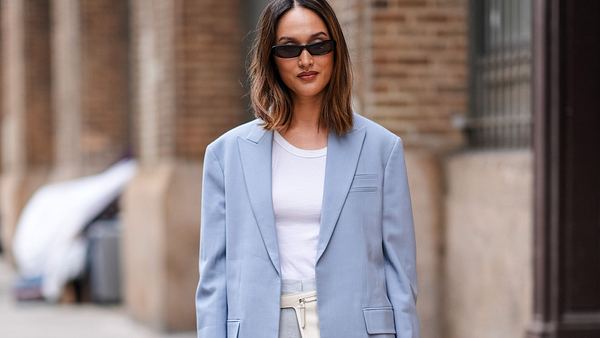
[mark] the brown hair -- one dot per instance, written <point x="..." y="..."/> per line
<point x="271" y="100"/>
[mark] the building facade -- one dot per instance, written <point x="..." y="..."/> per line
<point x="86" y="82"/>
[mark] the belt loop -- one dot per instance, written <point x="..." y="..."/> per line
<point x="302" y="317"/>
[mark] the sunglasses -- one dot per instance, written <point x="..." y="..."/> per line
<point x="292" y="51"/>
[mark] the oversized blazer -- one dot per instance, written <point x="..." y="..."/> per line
<point x="365" y="268"/>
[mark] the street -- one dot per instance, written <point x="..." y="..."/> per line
<point x="43" y="320"/>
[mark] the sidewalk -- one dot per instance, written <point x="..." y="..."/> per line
<point x="37" y="320"/>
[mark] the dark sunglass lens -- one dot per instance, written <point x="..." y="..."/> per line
<point x="320" y="48"/>
<point x="287" y="51"/>
<point x="292" y="51"/>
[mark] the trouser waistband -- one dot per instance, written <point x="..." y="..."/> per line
<point x="297" y="300"/>
<point x="300" y="302"/>
<point x="295" y="285"/>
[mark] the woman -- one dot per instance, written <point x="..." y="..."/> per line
<point x="306" y="224"/>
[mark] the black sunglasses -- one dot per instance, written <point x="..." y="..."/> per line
<point x="292" y="51"/>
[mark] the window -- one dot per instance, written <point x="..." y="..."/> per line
<point x="500" y="74"/>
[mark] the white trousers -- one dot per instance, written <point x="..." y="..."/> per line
<point x="299" y="317"/>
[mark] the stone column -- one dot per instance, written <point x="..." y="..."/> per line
<point x="186" y="66"/>
<point x="91" y="77"/>
<point x="66" y="67"/>
<point x="27" y="142"/>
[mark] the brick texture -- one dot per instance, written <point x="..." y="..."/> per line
<point x="354" y="19"/>
<point x="66" y="88"/>
<point x="187" y="75"/>
<point x="38" y="109"/>
<point x="152" y="78"/>
<point x="186" y="66"/>
<point x="208" y="69"/>
<point x="410" y="58"/>
<point x="27" y="142"/>
<point x="105" y="81"/>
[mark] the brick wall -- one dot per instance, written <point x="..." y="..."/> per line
<point x="38" y="109"/>
<point x="152" y="78"/>
<point x="66" y="87"/>
<point x="209" y="75"/>
<point x="27" y="140"/>
<point x="354" y="18"/>
<point x="419" y="73"/>
<point x="165" y="17"/>
<point x="186" y="70"/>
<point x="105" y="80"/>
<point x="410" y="58"/>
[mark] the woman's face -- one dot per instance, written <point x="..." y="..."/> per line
<point x="305" y="75"/>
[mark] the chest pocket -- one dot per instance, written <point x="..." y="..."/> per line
<point x="365" y="183"/>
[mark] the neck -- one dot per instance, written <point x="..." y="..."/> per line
<point x="304" y="130"/>
<point x="306" y="112"/>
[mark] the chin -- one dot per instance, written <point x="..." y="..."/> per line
<point x="305" y="92"/>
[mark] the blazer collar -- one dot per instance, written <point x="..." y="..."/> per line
<point x="342" y="158"/>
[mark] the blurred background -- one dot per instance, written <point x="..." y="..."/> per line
<point x="107" y="107"/>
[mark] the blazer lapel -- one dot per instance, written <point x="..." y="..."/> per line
<point x="255" y="153"/>
<point x="342" y="158"/>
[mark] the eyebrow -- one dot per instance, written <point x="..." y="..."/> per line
<point x="287" y="38"/>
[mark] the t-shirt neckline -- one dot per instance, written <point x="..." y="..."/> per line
<point x="298" y="151"/>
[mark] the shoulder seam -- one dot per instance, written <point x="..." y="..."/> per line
<point x="389" y="157"/>
<point x="211" y="153"/>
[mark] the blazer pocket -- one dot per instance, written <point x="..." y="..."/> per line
<point x="379" y="320"/>
<point x="233" y="326"/>
<point x="364" y="182"/>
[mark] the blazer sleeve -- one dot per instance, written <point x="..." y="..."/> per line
<point x="399" y="245"/>
<point x="211" y="294"/>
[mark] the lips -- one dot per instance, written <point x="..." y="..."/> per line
<point x="308" y="75"/>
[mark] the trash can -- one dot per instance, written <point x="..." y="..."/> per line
<point x="104" y="261"/>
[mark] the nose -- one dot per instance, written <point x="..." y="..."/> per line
<point x="305" y="60"/>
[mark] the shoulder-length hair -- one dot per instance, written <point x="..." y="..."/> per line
<point x="271" y="99"/>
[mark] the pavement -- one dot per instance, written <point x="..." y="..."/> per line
<point x="44" y="320"/>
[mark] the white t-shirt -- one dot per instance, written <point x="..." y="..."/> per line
<point x="298" y="177"/>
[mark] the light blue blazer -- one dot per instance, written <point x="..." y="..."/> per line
<point x="365" y="271"/>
